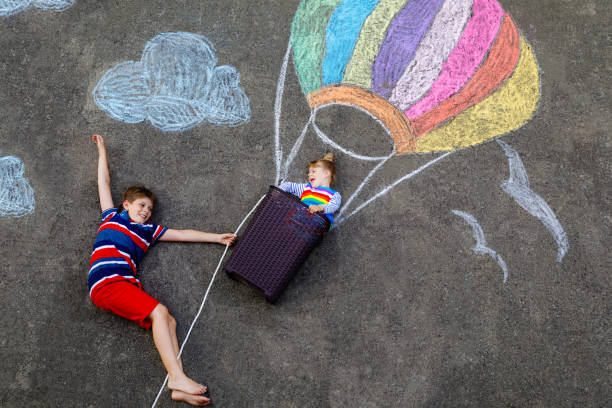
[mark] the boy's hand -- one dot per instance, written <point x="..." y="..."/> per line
<point x="99" y="141"/>
<point x="227" y="238"/>
<point x="316" y="208"/>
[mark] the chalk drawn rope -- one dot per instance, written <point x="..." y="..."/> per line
<point x="195" y="319"/>
<point x="481" y="247"/>
<point x="386" y="189"/>
<point x="364" y="182"/>
<point x="278" y="105"/>
<point x="16" y="194"/>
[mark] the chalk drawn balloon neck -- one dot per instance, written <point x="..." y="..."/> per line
<point x="394" y="122"/>
<point x="325" y="139"/>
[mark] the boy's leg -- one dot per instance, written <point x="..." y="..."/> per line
<point x="164" y="337"/>
<point x="196" y="400"/>
<point x="175" y="346"/>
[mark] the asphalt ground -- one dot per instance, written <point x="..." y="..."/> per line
<point x="393" y="309"/>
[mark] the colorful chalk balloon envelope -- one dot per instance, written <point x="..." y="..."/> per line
<point x="437" y="74"/>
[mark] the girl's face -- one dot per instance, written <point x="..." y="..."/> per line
<point x="139" y="210"/>
<point x="319" y="176"/>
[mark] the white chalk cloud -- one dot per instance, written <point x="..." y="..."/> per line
<point x="176" y="86"/>
<point x="16" y="194"/>
<point x="10" y="7"/>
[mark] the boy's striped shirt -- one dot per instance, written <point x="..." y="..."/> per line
<point x="119" y="246"/>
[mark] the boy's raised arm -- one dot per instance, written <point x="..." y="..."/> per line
<point x="104" y="191"/>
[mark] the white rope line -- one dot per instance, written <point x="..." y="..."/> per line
<point x="278" y="104"/>
<point x="395" y="183"/>
<point x="363" y="184"/>
<point x="204" y="299"/>
<point x="295" y="149"/>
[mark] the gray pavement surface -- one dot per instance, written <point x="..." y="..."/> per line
<point x="392" y="310"/>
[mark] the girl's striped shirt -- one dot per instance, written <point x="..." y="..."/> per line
<point x="119" y="246"/>
<point x="309" y="195"/>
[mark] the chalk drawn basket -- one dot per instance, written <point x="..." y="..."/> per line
<point x="278" y="239"/>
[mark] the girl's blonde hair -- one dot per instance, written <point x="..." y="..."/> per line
<point x="327" y="162"/>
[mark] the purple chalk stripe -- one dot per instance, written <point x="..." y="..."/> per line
<point x="401" y="42"/>
<point x="464" y="60"/>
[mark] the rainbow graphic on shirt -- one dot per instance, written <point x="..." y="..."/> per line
<point x="318" y="196"/>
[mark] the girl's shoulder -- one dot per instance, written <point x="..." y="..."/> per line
<point x="328" y="189"/>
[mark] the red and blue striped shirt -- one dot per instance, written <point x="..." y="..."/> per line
<point x="119" y="246"/>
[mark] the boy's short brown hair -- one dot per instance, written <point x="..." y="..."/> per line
<point x="134" y="192"/>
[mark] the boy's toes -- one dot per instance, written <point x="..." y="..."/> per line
<point x="195" y="400"/>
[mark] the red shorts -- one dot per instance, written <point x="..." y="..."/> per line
<point x="126" y="300"/>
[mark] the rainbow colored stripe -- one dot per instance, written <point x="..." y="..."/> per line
<point x="438" y="74"/>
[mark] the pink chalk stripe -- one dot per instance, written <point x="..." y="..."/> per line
<point x="464" y="60"/>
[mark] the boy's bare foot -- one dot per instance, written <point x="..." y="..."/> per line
<point x="186" y="384"/>
<point x="195" y="400"/>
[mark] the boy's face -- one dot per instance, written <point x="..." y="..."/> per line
<point x="319" y="176"/>
<point x="140" y="209"/>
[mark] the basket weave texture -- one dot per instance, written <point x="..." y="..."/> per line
<point x="278" y="239"/>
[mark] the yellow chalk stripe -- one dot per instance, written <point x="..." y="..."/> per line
<point x="359" y="69"/>
<point x="506" y="109"/>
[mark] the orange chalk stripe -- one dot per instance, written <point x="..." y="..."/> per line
<point x="394" y="120"/>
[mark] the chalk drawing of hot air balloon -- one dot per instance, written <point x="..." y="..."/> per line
<point x="438" y="75"/>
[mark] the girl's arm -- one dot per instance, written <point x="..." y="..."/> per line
<point x="104" y="191"/>
<point x="293" y="188"/>
<point x="333" y="204"/>
<point x="197" y="236"/>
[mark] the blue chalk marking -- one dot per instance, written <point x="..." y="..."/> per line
<point x="175" y="86"/>
<point x="10" y="7"/>
<point x="517" y="187"/>
<point x="342" y="33"/>
<point x="481" y="247"/>
<point x="16" y="194"/>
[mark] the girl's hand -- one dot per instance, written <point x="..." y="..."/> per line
<point x="316" y="208"/>
<point x="227" y="238"/>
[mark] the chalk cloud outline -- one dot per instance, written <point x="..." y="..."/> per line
<point x="10" y="7"/>
<point x="176" y="86"/>
<point x="16" y="194"/>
